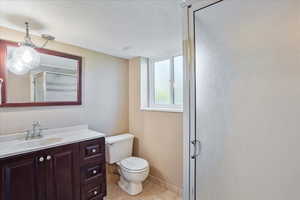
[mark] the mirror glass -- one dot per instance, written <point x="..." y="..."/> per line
<point x="54" y="80"/>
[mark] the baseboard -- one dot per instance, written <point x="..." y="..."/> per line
<point x="165" y="184"/>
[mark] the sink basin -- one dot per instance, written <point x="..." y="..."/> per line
<point x="15" y="144"/>
<point x="40" y="142"/>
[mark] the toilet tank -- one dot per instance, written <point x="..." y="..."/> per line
<point x="118" y="147"/>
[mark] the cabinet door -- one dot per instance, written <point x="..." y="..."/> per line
<point x="63" y="172"/>
<point x="22" y="177"/>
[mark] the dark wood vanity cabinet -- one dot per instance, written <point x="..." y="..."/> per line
<point x="22" y="178"/>
<point x="69" y="172"/>
<point x="62" y="173"/>
<point x="93" y="172"/>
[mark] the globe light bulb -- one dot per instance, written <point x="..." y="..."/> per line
<point x="27" y="55"/>
<point x="17" y="67"/>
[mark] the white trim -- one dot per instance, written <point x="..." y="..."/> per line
<point x="166" y="106"/>
<point x="151" y="91"/>
<point x="174" y="110"/>
<point x="172" y="81"/>
<point x="188" y="169"/>
<point x="144" y="82"/>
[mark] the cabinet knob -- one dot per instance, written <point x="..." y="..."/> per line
<point x="95" y="192"/>
<point x="94" y="150"/>
<point x="94" y="171"/>
<point x="49" y="157"/>
<point x="41" y="159"/>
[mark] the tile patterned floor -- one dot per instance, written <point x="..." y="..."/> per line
<point x="151" y="191"/>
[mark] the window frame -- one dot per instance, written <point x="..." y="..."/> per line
<point x="152" y="105"/>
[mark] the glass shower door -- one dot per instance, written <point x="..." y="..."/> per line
<point x="247" y="96"/>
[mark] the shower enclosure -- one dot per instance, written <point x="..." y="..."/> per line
<point x="242" y="100"/>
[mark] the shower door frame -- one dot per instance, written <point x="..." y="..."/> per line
<point x="189" y="113"/>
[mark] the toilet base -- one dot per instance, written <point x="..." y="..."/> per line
<point x="130" y="187"/>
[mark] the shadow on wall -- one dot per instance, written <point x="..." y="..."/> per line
<point x="19" y="20"/>
<point x="153" y="169"/>
<point x="136" y="146"/>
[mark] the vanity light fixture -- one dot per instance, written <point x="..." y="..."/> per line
<point x="25" y="57"/>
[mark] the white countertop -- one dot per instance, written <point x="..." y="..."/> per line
<point x="15" y="144"/>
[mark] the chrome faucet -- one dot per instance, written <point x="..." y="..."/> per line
<point x="36" y="131"/>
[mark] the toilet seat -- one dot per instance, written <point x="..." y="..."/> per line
<point x="134" y="164"/>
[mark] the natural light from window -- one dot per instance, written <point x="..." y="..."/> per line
<point x="178" y="80"/>
<point x="164" y="85"/>
<point x="162" y="77"/>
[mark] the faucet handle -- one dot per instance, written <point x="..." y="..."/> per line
<point x="36" y="123"/>
<point x="28" y="133"/>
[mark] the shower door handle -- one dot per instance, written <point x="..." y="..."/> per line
<point x="197" y="148"/>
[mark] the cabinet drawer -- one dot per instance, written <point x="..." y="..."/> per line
<point x="93" y="172"/>
<point x="92" y="151"/>
<point x="93" y="191"/>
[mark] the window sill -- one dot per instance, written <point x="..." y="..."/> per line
<point x="173" y="110"/>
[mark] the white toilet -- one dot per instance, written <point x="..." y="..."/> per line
<point x="133" y="170"/>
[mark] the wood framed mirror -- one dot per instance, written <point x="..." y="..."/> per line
<point x="56" y="81"/>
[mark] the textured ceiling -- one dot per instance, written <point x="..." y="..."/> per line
<point x="124" y="28"/>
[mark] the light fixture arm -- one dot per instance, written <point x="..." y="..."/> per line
<point x="27" y="31"/>
<point x="28" y="41"/>
<point x="45" y="43"/>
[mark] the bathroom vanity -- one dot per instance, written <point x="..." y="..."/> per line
<point x="65" y="164"/>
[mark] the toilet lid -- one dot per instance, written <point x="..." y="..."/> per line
<point x="134" y="164"/>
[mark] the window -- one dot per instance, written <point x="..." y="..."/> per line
<point x="178" y="80"/>
<point x="165" y="80"/>
<point x="162" y="83"/>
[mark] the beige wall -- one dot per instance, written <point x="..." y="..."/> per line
<point x="105" y="94"/>
<point x="18" y="87"/>
<point x="158" y="134"/>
